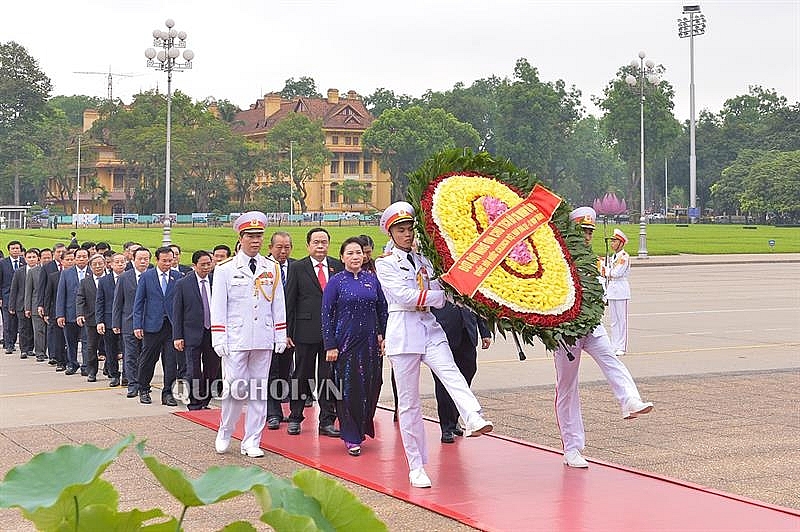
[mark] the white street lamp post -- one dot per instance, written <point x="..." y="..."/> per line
<point x="291" y="180"/>
<point x="689" y="27"/>
<point x="646" y="72"/>
<point x="78" y="184"/>
<point x="166" y="60"/>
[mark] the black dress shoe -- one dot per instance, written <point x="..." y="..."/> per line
<point x="70" y="371"/>
<point x="458" y="431"/>
<point x="294" y="428"/>
<point x="91" y="378"/>
<point x="114" y="382"/>
<point x="448" y="437"/>
<point x="309" y="402"/>
<point x="124" y="381"/>
<point x="60" y="367"/>
<point x="132" y="393"/>
<point x="329" y="430"/>
<point x="144" y="398"/>
<point x="169" y="401"/>
<point x="52" y="362"/>
<point x="9" y="351"/>
<point x="21" y="355"/>
<point x="274" y="423"/>
<point x="41" y="358"/>
<point x="84" y="372"/>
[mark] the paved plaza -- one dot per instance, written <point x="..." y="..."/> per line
<point x="715" y="343"/>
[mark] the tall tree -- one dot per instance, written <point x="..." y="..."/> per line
<point x="403" y="138"/>
<point x="305" y="87"/>
<point x="383" y="99"/>
<point x="309" y="155"/>
<point x="24" y="90"/>
<point x="74" y="106"/>
<point x="621" y="121"/>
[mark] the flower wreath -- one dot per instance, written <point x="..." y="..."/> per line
<point x="545" y="287"/>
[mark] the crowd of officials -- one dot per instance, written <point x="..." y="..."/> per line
<point x="266" y="330"/>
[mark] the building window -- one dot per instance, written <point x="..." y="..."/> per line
<point x="334" y="139"/>
<point x="118" y="182"/>
<point x="348" y="141"/>
<point x="333" y="195"/>
<point x="367" y="166"/>
<point x="351" y="167"/>
<point x="355" y="141"/>
<point x="334" y="166"/>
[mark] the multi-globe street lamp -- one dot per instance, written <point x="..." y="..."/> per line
<point x="166" y="59"/>
<point x="645" y="72"/>
<point x="694" y="24"/>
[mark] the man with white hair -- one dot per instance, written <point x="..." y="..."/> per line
<point x="414" y="336"/>
<point x="597" y="344"/>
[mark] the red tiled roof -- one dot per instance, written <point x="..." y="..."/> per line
<point x="347" y="114"/>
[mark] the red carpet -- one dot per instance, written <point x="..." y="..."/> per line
<point x="496" y="483"/>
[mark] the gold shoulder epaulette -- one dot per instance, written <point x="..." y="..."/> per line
<point x="220" y="263"/>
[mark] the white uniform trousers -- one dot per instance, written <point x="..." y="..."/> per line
<point x="409" y="405"/>
<point x="246" y="372"/>
<point x="618" y="310"/>
<point x="568" y="402"/>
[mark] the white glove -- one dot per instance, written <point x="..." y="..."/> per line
<point x="222" y="350"/>
<point x="280" y="347"/>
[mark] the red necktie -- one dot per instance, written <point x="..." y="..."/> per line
<point x="321" y="276"/>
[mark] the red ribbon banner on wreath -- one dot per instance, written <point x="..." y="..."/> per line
<point x="497" y="241"/>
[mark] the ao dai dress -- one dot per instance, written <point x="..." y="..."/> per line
<point x="354" y="313"/>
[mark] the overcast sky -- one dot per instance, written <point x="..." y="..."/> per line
<point x="245" y="48"/>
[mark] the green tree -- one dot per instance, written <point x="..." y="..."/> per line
<point x="354" y="192"/>
<point x="24" y="90"/>
<point x="404" y="138"/>
<point x="306" y="141"/>
<point x="304" y="87"/>
<point x="383" y="99"/>
<point x="227" y="110"/>
<point x="621" y="122"/>
<point x="74" y="106"/>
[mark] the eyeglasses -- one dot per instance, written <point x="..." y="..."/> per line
<point x="319" y="242"/>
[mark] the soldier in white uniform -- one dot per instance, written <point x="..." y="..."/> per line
<point x="248" y="323"/>
<point x="597" y="344"/>
<point x="413" y="336"/>
<point x="618" y="291"/>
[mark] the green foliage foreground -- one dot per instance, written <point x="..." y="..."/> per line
<point x="62" y="491"/>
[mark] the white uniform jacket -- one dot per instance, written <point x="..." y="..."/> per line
<point x="410" y="292"/>
<point x="248" y="310"/>
<point x="617" y="285"/>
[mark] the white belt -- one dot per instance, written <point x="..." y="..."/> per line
<point x="396" y="307"/>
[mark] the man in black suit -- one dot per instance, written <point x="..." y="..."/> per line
<point x="85" y="309"/>
<point x="104" y="307"/>
<point x="8" y="266"/>
<point x="33" y="305"/>
<point x="56" y="340"/>
<point x="176" y="261"/>
<point x="461" y="326"/>
<point x="191" y="331"/>
<point x="122" y="317"/>
<point x="306" y="280"/>
<point x="280" y="247"/>
<point x="17" y="302"/>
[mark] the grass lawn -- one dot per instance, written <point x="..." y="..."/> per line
<point x="662" y="239"/>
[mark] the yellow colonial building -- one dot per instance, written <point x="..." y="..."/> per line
<point x="344" y="120"/>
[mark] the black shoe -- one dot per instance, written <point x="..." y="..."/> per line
<point x="70" y="371"/>
<point x="41" y="358"/>
<point x="84" y="372"/>
<point x="309" y="402"/>
<point x="60" y="367"/>
<point x="21" y="355"/>
<point x="169" y="401"/>
<point x="92" y="378"/>
<point x="114" y="382"/>
<point x="52" y="362"/>
<point x="329" y="430"/>
<point x="274" y="423"/>
<point x="9" y="351"/>
<point x="132" y="393"/>
<point x="294" y="428"/>
<point x="124" y="381"/>
<point x="144" y="398"/>
<point x="448" y="437"/>
<point x="458" y="431"/>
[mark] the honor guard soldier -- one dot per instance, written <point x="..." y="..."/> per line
<point x="248" y="324"/>
<point x="597" y="344"/>
<point x="413" y="336"/>
<point x="618" y="291"/>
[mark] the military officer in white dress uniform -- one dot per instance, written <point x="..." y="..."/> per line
<point x="597" y="344"/>
<point x="618" y="291"/>
<point x="248" y="323"/>
<point x="413" y="336"/>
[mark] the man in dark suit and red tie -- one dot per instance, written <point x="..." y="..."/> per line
<point x="191" y="331"/>
<point x="152" y="324"/>
<point x="307" y="279"/>
<point x="85" y="305"/>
